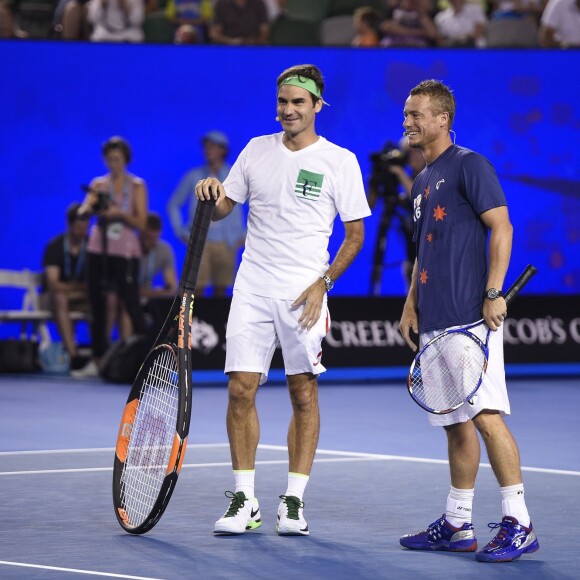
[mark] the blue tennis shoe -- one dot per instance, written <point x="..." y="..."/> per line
<point x="441" y="535"/>
<point x="510" y="542"/>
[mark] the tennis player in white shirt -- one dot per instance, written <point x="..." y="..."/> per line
<point x="296" y="182"/>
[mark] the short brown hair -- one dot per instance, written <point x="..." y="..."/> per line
<point x="154" y="221"/>
<point x="72" y="213"/>
<point x="442" y="99"/>
<point x="119" y="144"/>
<point x="308" y="71"/>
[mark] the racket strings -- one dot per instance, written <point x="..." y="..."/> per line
<point x="448" y="371"/>
<point x="151" y="439"/>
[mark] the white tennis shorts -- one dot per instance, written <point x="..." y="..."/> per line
<point x="257" y="325"/>
<point x="492" y="393"/>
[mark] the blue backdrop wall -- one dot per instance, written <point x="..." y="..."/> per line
<point x="60" y="101"/>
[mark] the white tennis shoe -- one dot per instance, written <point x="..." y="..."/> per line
<point x="291" y="520"/>
<point x="242" y="515"/>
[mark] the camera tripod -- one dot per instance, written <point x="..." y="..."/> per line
<point x="391" y="203"/>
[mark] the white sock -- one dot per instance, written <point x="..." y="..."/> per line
<point x="513" y="503"/>
<point x="244" y="479"/>
<point x="297" y="484"/>
<point x="459" y="506"/>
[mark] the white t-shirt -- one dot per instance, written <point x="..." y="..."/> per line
<point x="294" y="197"/>
<point x="457" y="26"/>
<point x="564" y="17"/>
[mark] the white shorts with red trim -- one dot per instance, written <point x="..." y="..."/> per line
<point x="257" y="325"/>
<point x="492" y="393"/>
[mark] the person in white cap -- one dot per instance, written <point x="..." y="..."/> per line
<point x="218" y="262"/>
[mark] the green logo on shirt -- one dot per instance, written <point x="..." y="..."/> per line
<point x="308" y="185"/>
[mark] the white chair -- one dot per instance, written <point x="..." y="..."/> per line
<point x="29" y="315"/>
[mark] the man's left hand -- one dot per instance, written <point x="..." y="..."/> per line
<point x="312" y="299"/>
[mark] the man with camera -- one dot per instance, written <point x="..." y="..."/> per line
<point x="393" y="171"/>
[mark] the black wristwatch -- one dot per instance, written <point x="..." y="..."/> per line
<point x="328" y="282"/>
<point x="493" y="293"/>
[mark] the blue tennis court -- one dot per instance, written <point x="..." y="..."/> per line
<point x="380" y="472"/>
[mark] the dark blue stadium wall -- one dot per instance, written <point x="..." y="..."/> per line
<point x="60" y="101"/>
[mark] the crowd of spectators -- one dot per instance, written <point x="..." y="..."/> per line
<point x="358" y="23"/>
<point x="120" y="272"/>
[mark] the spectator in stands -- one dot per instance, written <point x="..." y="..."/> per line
<point x="517" y="9"/>
<point x="274" y="8"/>
<point x="409" y="25"/>
<point x="240" y="22"/>
<point x="461" y="24"/>
<point x="188" y="14"/>
<point x="225" y="237"/>
<point x="560" y="24"/>
<point x="157" y="276"/>
<point x="157" y="259"/>
<point x="71" y="20"/>
<point x="367" y="26"/>
<point x="116" y="20"/>
<point x="186" y="34"/>
<point x="119" y="201"/>
<point x="8" y="19"/>
<point x="64" y="263"/>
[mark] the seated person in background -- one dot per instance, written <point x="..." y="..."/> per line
<point x="116" y="20"/>
<point x="367" y="25"/>
<point x="71" y="20"/>
<point x="461" y="24"/>
<point x="410" y="25"/>
<point x="8" y="20"/>
<point x="157" y="260"/>
<point x="186" y="34"/>
<point x="64" y="265"/>
<point x="560" y="24"/>
<point x="517" y="9"/>
<point x="194" y="14"/>
<point x="225" y="237"/>
<point x="240" y="22"/>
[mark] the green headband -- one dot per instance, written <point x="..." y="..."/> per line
<point x="304" y="83"/>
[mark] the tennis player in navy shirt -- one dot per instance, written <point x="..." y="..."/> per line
<point x="458" y="203"/>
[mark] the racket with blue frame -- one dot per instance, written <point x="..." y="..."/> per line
<point x="449" y="369"/>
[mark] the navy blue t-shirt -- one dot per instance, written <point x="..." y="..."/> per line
<point x="448" y="197"/>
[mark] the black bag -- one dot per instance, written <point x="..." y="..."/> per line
<point x="122" y="361"/>
<point x="18" y="356"/>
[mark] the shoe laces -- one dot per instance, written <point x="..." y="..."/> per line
<point x="506" y="528"/>
<point x="238" y="501"/>
<point x="435" y="527"/>
<point x="293" y="505"/>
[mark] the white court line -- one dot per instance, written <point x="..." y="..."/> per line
<point x="99" y="449"/>
<point x="76" y="571"/>
<point x="350" y="456"/>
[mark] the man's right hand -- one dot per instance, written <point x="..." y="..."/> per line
<point x="210" y="188"/>
<point x="409" y="321"/>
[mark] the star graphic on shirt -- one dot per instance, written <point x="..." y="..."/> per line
<point x="423" y="276"/>
<point x="429" y="237"/>
<point x="427" y="191"/>
<point x="439" y="213"/>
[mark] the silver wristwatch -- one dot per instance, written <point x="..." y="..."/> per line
<point x="328" y="282"/>
<point x="493" y="293"/>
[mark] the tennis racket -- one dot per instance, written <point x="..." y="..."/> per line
<point x="448" y="370"/>
<point x="155" y="425"/>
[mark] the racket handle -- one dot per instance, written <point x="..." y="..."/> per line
<point x="522" y="280"/>
<point x="197" y="237"/>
